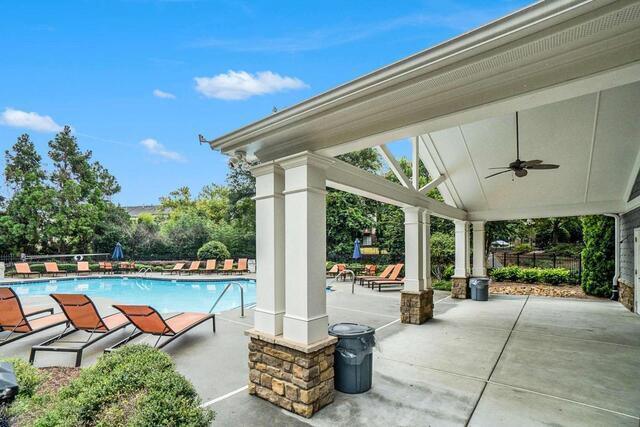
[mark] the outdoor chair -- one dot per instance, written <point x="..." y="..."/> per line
<point x="194" y="267"/>
<point x="242" y="266"/>
<point x="105" y="267"/>
<point x="336" y="269"/>
<point x="392" y="280"/>
<point x="176" y="268"/>
<point x="83" y="267"/>
<point x="52" y="268"/>
<point x="148" y="321"/>
<point x="210" y="266"/>
<point x="83" y="316"/>
<point x="15" y="319"/>
<point x="385" y="274"/>
<point x="227" y="267"/>
<point x="24" y="269"/>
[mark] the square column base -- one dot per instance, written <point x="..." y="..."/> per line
<point x="416" y="307"/>
<point x="291" y="376"/>
<point x="460" y="288"/>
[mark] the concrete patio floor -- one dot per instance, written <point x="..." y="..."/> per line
<point x="509" y="361"/>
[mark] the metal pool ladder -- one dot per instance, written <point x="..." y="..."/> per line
<point x="224" y="291"/>
<point x="145" y="270"/>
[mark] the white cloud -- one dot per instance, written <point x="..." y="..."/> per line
<point x="33" y="121"/>
<point x="155" y="148"/>
<point x="162" y="94"/>
<point x="236" y="85"/>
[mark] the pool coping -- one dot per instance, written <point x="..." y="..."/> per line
<point x="26" y="281"/>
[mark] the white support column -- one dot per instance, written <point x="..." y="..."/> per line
<point x="426" y="256"/>
<point x="269" y="199"/>
<point x="305" y="319"/>
<point x="479" y="269"/>
<point x="413" y="249"/>
<point x="462" y="248"/>
<point x="467" y="242"/>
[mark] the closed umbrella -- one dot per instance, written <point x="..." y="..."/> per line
<point x="356" y="250"/>
<point x="117" y="252"/>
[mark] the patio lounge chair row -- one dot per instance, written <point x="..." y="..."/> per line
<point x="211" y="266"/>
<point x="82" y="267"/>
<point x="388" y="278"/>
<point x="79" y="313"/>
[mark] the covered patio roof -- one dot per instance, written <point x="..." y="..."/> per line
<point x="570" y="67"/>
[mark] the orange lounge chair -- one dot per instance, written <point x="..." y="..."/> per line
<point x="385" y="274"/>
<point x="83" y="267"/>
<point x="24" y="269"/>
<point x="176" y="268"/>
<point x="227" y="267"/>
<point x="148" y="321"/>
<point x="210" y="266"/>
<point x="52" y="268"/>
<point x="242" y="266"/>
<point x="105" y="267"/>
<point x="83" y="316"/>
<point x="14" y="318"/>
<point x="194" y="267"/>
<point x="392" y="280"/>
<point x="336" y="269"/>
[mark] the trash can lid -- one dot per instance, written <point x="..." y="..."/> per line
<point x="349" y="329"/>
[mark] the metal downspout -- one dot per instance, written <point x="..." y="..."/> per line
<point x="616" y="276"/>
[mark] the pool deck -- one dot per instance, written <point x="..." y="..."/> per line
<point x="509" y="361"/>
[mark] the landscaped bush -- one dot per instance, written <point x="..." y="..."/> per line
<point x="441" y="285"/>
<point x="552" y="276"/>
<point x="213" y="250"/>
<point x="597" y="255"/>
<point x="29" y="377"/>
<point x="529" y="275"/>
<point x="134" y="386"/>
<point x="522" y="248"/>
<point x="448" y="271"/>
<point x="505" y="274"/>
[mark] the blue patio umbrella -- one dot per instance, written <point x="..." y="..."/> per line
<point x="356" y="250"/>
<point x="117" y="252"/>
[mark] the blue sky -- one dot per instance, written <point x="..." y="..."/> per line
<point x="139" y="79"/>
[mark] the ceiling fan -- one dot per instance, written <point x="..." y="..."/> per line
<point x="520" y="167"/>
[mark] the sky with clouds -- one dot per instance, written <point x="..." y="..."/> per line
<point x="138" y="80"/>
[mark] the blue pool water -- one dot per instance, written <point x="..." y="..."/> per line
<point x="166" y="296"/>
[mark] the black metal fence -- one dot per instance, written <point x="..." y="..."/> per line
<point x="10" y="259"/>
<point x="506" y="259"/>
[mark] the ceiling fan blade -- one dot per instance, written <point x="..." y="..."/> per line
<point x="497" y="173"/>
<point x="503" y="167"/>
<point x="521" y="173"/>
<point x="543" y="166"/>
<point x="532" y="162"/>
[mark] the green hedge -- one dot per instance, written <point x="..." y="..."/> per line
<point x="598" y="255"/>
<point x="553" y="276"/>
<point x="134" y="386"/>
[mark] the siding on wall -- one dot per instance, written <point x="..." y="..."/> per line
<point x="628" y="222"/>
<point x="635" y="190"/>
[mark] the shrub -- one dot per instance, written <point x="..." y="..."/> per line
<point x="136" y="385"/>
<point x="29" y="377"/>
<point x="597" y="255"/>
<point x="213" y="250"/>
<point x="555" y="276"/>
<point x="529" y="275"/>
<point x="448" y="271"/>
<point x="504" y="274"/>
<point x="441" y="285"/>
<point x="522" y="248"/>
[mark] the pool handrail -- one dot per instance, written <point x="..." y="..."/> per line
<point x="224" y="291"/>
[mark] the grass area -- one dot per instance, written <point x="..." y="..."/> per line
<point x="134" y="386"/>
<point x="441" y="285"/>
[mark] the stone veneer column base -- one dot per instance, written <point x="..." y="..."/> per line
<point x="416" y="307"/>
<point x="625" y="294"/>
<point x="292" y="376"/>
<point x="460" y="287"/>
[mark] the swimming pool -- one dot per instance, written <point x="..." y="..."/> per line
<point x="166" y="296"/>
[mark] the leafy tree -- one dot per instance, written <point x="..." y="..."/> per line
<point x="146" y="240"/>
<point x="597" y="255"/>
<point x="241" y="184"/>
<point x="442" y="252"/>
<point x="83" y="189"/>
<point x="177" y="201"/>
<point x="114" y="227"/>
<point x="240" y="241"/>
<point x="186" y="232"/>
<point x="214" y="202"/>
<point x="25" y="225"/>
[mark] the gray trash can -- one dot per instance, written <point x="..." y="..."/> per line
<point x="479" y="289"/>
<point x="353" y="360"/>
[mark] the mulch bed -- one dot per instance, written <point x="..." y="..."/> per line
<point x="538" y="289"/>
<point x="57" y="377"/>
